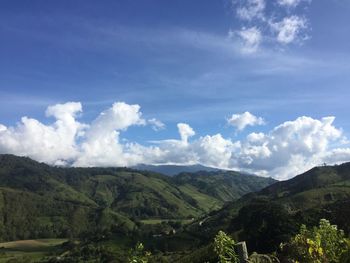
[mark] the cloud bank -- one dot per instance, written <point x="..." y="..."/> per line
<point x="284" y="151"/>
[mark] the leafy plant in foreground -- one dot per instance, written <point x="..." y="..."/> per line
<point x="321" y="244"/>
<point x="139" y="255"/>
<point x="224" y="247"/>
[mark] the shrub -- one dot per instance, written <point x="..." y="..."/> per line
<point x="321" y="244"/>
<point x="138" y="254"/>
<point x="224" y="247"/>
<point x="262" y="258"/>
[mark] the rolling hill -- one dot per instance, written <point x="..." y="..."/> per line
<point x="37" y="200"/>
<point x="270" y="216"/>
<point x="226" y="186"/>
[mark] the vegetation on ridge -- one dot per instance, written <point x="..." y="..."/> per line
<point x="40" y="201"/>
<point x="106" y="209"/>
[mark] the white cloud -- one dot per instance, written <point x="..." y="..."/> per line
<point x="173" y="151"/>
<point x="208" y="150"/>
<point x="338" y="155"/>
<point x="157" y="125"/>
<point x="215" y="150"/>
<point x="49" y="143"/>
<point x="2" y="128"/>
<point x="250" y="39"/>
<point x="290" y="29"/>
<point x="291" y="147"/>
<point x="276" y="24"/>
<point x="102" y="146"/>
<point x="289" y="3"/>
<point x="240" y="121"/>
<point x="250" y="9"/>
<point x="119" y="117"/>
<point x="185" y="131"/>
<point x="255" y="137"/>
<point x="286" y="150"/>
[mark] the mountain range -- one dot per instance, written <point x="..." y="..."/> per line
<point x="37" y="200"/>
<point x="123" y="205"/>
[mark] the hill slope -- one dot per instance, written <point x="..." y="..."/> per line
<point x="273" y="214"/>
<point x="224" y="185"/>
<point x="37" y="200"/>
<point x="172" y="170"/>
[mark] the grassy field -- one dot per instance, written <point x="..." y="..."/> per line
<point x="28" y="250"/>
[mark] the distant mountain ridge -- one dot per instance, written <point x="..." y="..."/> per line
<point x="172" y="170"/>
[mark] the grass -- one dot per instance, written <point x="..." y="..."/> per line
<point x="318" y="197"/>
<point x="205" y="202"/>
<point x="28" y="250"/>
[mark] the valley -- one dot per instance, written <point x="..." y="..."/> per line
<point x="109" y="210"/>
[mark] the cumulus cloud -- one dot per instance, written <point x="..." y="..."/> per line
<point x="185" y="131"/>
<point x="286" y="150"/>
<point x="250" y="9"/>
<point x="2" y="128"/>
<point x="210" y="150"/>
<point x="275" y="23"/>
<point x="240" y="121"/>
<point x="53" y="143"/>
<point x="250" y="39"/>
<point x="337" y="155"/>
<point x="102" y="145"/>
<point x="290" y="29"/>
<point x="291" y="147"/>
<point x="215" y="150"/>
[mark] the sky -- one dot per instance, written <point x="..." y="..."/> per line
<point x="253" y="85"/>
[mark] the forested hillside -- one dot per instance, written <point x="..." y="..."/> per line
<point x="37" y="200"/>
<point x="273" y="215"/>
<point x="177" y="218"/>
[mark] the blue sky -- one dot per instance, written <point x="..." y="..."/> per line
<point x="193" y="62"/>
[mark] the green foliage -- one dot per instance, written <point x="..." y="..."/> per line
<point x="275" y="214"/>
<point x="264" y="225"/>
<point x="345" y="257"/>
<point x="138" y="254"/>
<point x="225" y="186"/>
<point x="85" y="253"/>
<point x="40" y="201"/>
<point x="224" y="248"/>
<point x="262" y="258"/>
<point x="321" y="244"/>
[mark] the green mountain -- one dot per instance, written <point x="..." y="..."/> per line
<point x="272" y="215"/>
<point x="126" y="205"/>
<point x="224" y="185"/>
<point x="172" y="170"/>
<point x="37" y="200"/>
